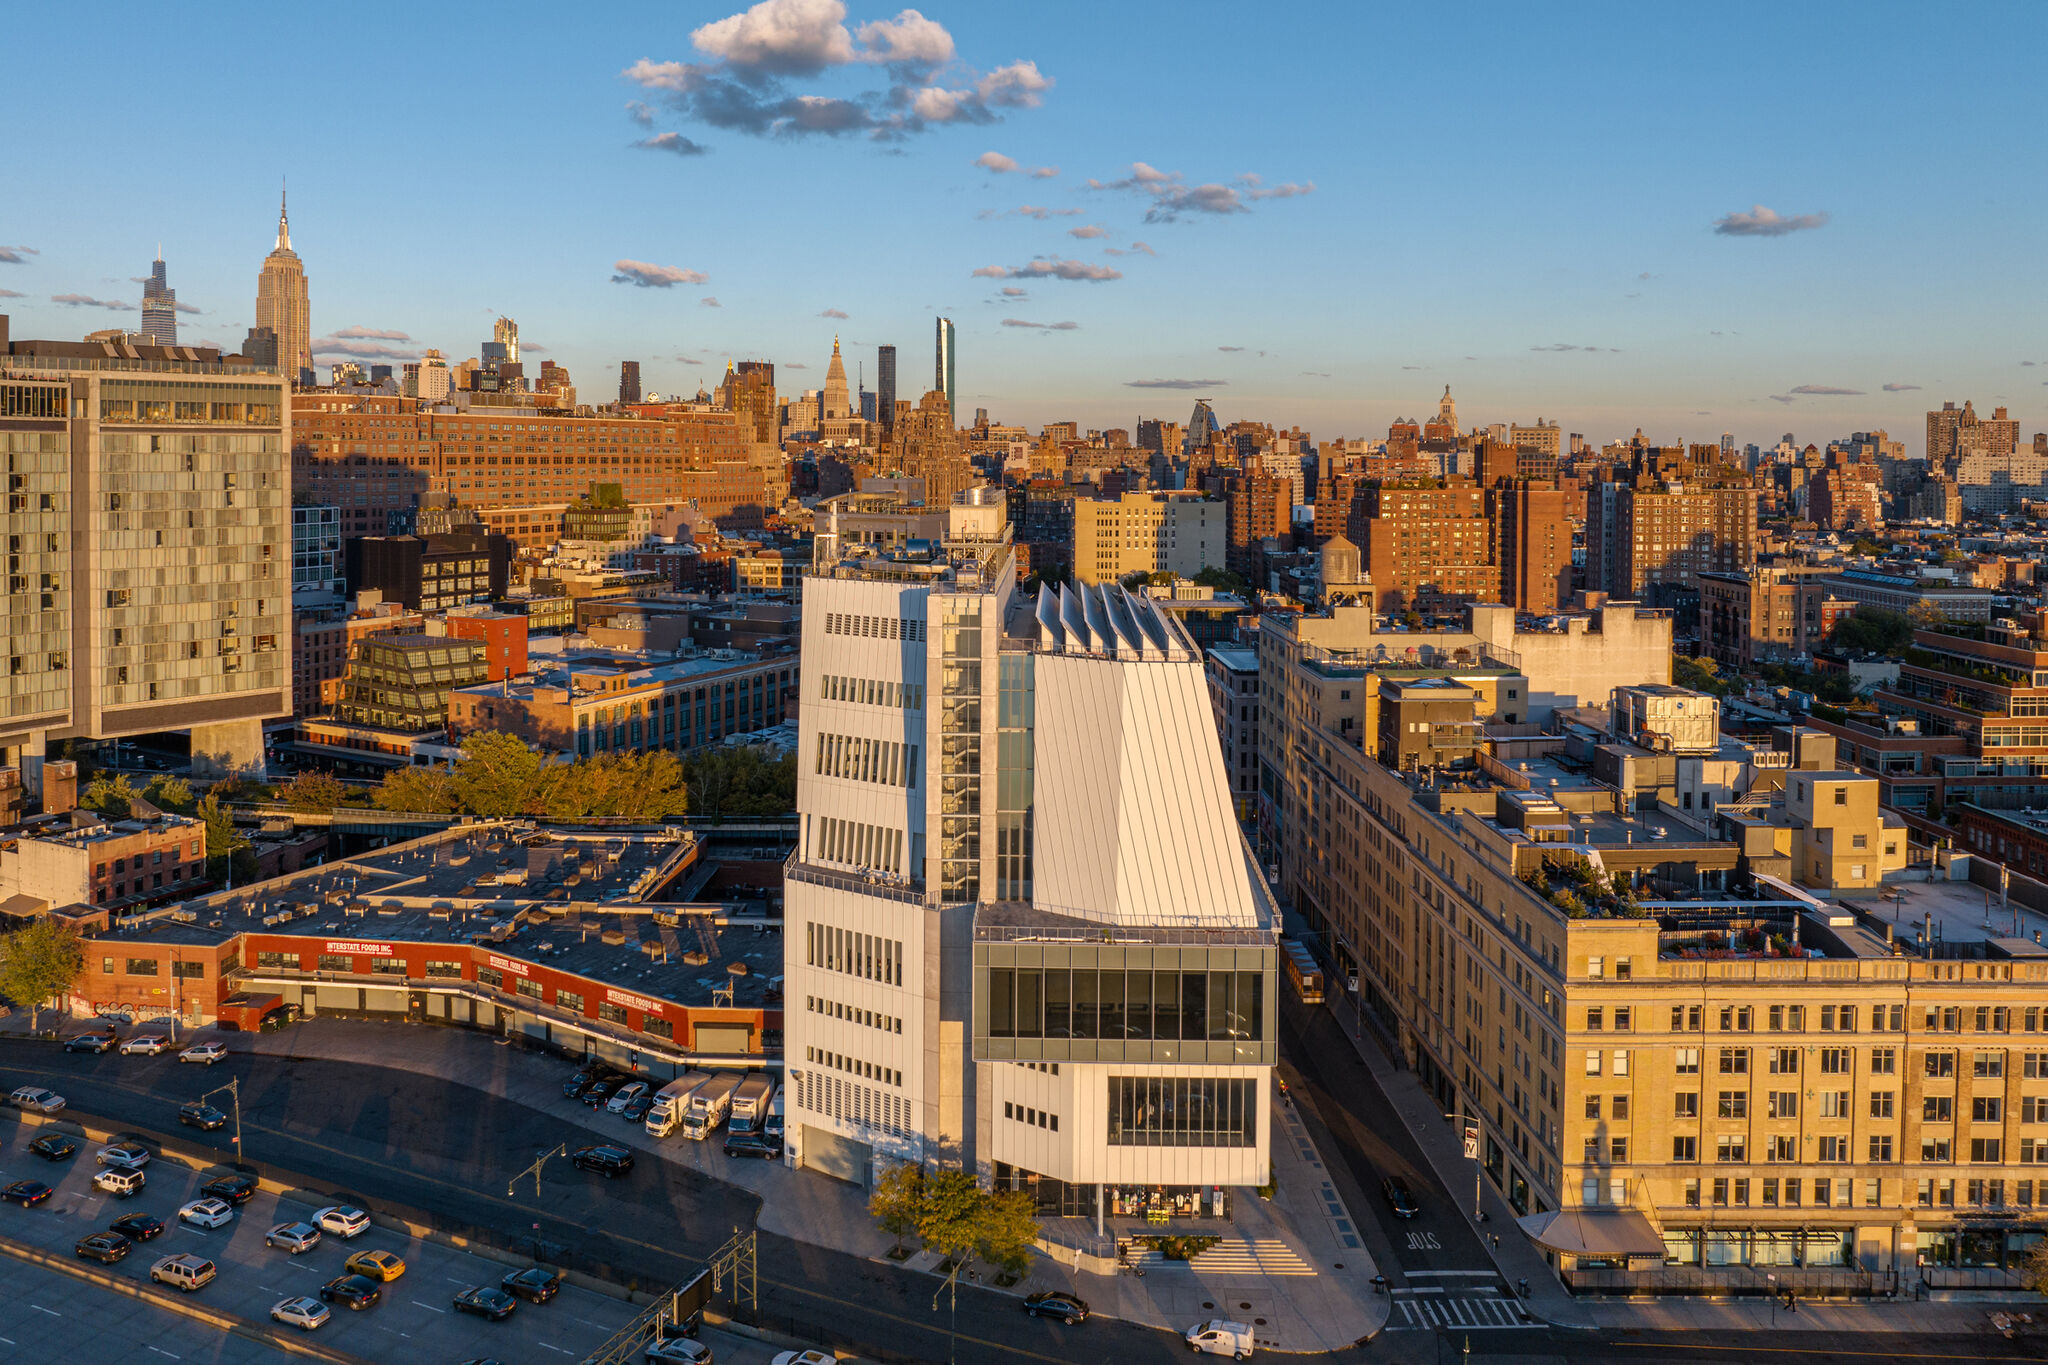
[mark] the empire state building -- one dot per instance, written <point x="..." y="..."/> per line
<point x="281" y="302"/>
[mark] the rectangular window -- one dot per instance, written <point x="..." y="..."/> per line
<point x="487" y="977"/>
<point x="1685" y="1104"/>
<point x="1880" y="1147"/>
<point x="277" y="962"/>
<point x="1734" y="1104"/>
<point x="336" y="962"/>
<point x="527" y="987"/>
<point x="143" y="966"/>
<point x="571" y="1001"/>
<point x="1685" y="1149"/>
<point x="449" y="970"/>
<point x="610" y="1013"/>
<point x="1182" y="1111"/>
<point x="658" y="1028"/>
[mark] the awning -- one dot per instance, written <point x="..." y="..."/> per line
<point x="1604" y="1233"/>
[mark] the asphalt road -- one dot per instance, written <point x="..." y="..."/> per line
<point x="387" y="1135"/>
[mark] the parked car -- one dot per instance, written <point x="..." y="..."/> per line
<point x="381" y="1266"/>
<point x="802" y="1358"/>
<point x="625" y="1095"/>
<point x="609" y="1162"/>
<point x="678" y="1351"/>
<point x="1399" y="1197"/>
<point x="145" y="1045"/>
<point x="293" y="1237"/>
<point x="1068" y="1308"/>
<point x="343" y="1220"/>
<point x="120" y="1183"/>
<point x="186" y="1272"/>
<point x="300" y="1312"/>
<point x="36" y="1098"/>
<point x="128" y="1156"/>
<point x="576" y="1085"/>
<point x="54" y="1146"/>
<point x="353" y="1290"/>
<point x="486" y="1302"/>
<point x="206" y="1053"/>
<point x="206" y="1213"/>
<point x="535" y="1284"/>
<point x="599" y="1092"/>
<point x="89" y="1042"/>
<point x="138" y="1227"/>
<point x="1217" y="1337"/>
<point x="753" y="1145"/>
<point x="637" y="1107"/>
<point x="201" y="1115"/>
<point x="104" y="1247"/>
<point x="236" y="1189"/>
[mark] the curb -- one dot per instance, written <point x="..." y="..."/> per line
<point x="179" y="1303"/>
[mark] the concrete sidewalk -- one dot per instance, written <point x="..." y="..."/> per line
<point x="1293" y="1266"/>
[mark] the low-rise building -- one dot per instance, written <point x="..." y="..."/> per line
<point x="80" y="859"/>
<point x="599" y="702"/>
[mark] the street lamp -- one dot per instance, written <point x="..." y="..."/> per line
<point x="1469" y="1126"/>
<point x="952" y="1287"/>
<point x="234" y="1089"/>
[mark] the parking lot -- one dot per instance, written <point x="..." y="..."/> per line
<point x="415" y="1321"/>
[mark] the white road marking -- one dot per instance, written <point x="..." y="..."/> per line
<point x="452" y="1280"/>
<point x="430" y="1308"/>
<point x="162" y="1352"/>
<point x="51" y="1311"/>
<point x="556" y="1349"/>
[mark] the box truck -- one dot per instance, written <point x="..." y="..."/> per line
<point x="667" y="1112"/>
<point x="708" y="1105"/>
<point x="750" y="1103"/>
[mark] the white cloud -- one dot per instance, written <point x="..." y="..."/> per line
<point x="1172" y="197"/>
<point x="1763" y="222"/>
<point x="908" y="39"/>
<point x="370" y="333"/>
<point x="1049" y="268"/>
<point x="997" y="162"/>
<point x="709" y="302"/>
<point x="647" y="276"/>
<point x="17" y="255"/>
<point x="1043" y="326"/>
<point x="1086" y="233"/>
<point x="832" y="313"/>
<point x="787" y="37"/>
<point x="1900" y="388"/>
<point x="88" y="301"/>
<point x="672" y="142"/>
<point x="642" y="114"/>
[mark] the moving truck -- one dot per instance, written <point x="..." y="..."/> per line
<point x="750" y="1103"/>
<point x="708" y="1105"/>
<point x="670" y="1100"/>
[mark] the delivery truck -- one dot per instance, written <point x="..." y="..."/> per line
<point x="750" y="1103"/>
<point x="708" y="1105"/>
<point x="667" y="1114"/>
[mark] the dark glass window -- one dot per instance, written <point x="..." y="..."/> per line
<point x="1182" y="1111"/>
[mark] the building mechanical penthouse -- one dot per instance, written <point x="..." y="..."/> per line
<point x="1024" y="935"/>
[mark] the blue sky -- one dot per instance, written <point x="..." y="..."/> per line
<point x="1488" y="182"/>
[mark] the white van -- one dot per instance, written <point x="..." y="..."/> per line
<point x="1219" y="1338"/>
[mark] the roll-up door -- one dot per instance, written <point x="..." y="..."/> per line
<point x="722" y="1040"/>
<point x="339" y="998"/>
<point x="840" y="1157"/>
<point x="384" y="1001"/>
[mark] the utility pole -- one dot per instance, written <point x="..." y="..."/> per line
<point x="951" y="1287"/>
<point x="234" y="1089"/>
<point x="539" y="1160"/>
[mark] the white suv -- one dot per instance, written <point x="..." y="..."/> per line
<point x="207" y="1053"/>
<point x="343" y="1221"/>
<point x="145" y="1044"/>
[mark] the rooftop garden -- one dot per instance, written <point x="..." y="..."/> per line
<point x="1574" y="886"/>
<point x="1755" y="941"/>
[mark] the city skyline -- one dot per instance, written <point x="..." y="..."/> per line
<point x="1701" y="265"/>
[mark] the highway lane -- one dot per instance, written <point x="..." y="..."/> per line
<point x="453" y="1151"/>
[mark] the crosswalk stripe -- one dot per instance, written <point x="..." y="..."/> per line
<point x="1476" y="1315"/>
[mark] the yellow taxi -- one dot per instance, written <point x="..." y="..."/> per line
<point x="382" y="1266"/>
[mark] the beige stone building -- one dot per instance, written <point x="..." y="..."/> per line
<point x="1180" y="533"/>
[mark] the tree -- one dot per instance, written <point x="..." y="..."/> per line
<point x="1873" y="630"/>
<point x="645" y="786"/>
<point x="1701" y="675"/>
<point x="498" y="776"/>
<point x="741" y="781"/>
<point x="43" y="959"/>
<point x="223" y="840"/>
<point x="950" y="1213"/>
<point x="1009" y="1229"/>
<point x="1223" y="580"/>
<point x="166" y="792"/>
<point x="425" y="791"/>
<point x="313" y="791"/>
<point x="111" y="797"/>
<point x="897" y="1197"/>
<point x="2034" y="1270"/>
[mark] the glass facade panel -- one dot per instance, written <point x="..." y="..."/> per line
<point x="1182" y="1111"/>
<point x="1033" y="1002"/>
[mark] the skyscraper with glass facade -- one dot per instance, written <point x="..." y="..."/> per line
<point x="943" y="378"/>
<point x="159" y="306"/>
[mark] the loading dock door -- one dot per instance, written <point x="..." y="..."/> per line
<point x="839" y="1157"/>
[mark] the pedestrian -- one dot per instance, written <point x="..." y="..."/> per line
<point x="1496" y="1241"/>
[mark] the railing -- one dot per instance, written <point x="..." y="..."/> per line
<point x="1734" y="1280"/>
<point x="1165" y="934"/>
<point x="861" y="883"/>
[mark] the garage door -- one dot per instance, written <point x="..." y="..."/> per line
<point x="339" y="998"/>
<point x="825" y="1150"/>
<point x="722" y="1039"/>
<point x="384" y="1001"/>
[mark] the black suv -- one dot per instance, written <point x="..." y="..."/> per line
<point x="199" y="1114"/>
<point x="236" y="1189"/>
<point x="104" y="1247"/>
<point x="89" y="1042"/>
<point x="535" y="1284"/>
<point x="607" y="1161"/>
<point x="1400" y="1198"/>
<point x="1068" y="1308"/>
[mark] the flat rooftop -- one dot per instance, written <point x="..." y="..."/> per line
<point x="1954" y="912"/>
<point x="575" y="901"/>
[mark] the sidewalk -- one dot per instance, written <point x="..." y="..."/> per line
<point x="1294" y="1266"/>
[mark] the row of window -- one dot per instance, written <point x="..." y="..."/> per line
<point x="1183" y="1111"/>
<point x="867" y="956"/>
<point x="872" y="692"/>
<point x="873" y="627"/>
<point x="1083" y="1002"/>
<point x="1038" y="1118"/>
<point x="153" y="966"/>
<point x="523" y="986"/>
<point x="1833" y="1061"/>
<point x="833" y="1009"/>
<point x="855" y="843"/>
<point x="854" y="1066"/>
<point x="882" y="761"/>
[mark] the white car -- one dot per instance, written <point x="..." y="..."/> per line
<point x="128" y="1156"/>
<point x="145" y="1045"/>
<point x="343" y="1221"/>
<point x="38" y="1099"/>
<point x="208" y="1053"/>
<point x="629" y="1092"/>
<point x="293" y="1237"/>
<point x="120" y="1183"/>
<point x="804" y="1358"/>
<point x="302" y="1313"/>
<point x="678" y="1351"/>
<point x="206" y="1213"/>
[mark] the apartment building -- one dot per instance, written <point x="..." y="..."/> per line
<point x="1760" y="615"/>
<point x="597" y="702"/>
<point x="1233" y="674"/>
<point x="80" y="859"/>
<point x="149" y="542"/>
<point x="1179" y="533"/>
<point x="1023" y="935"/>
<point x="323" y="641"/>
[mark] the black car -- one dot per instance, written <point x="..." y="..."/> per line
<point x="89" y="1042"/>
<point x="573" y="1088"/>
<point x="600" y="1091"/>
<point x="485" y="1302"/>
<point x="54" y="1146"/>
<point x="137" y="1227"/>
<point x="1399" y="1197"/>
<point x="357" y="1291"/>
<point x="1068" y="1308"/>
<point x="236" y="1189"/>
<point x="199" y="1114"/>
<point x="535" y="1284"/>
<point x="606" y="1161"/>
<point x="637" y="1107"/>
<point x="104" y="1247"/>
<point x="26" y="1193"/>
<point x="754" y="1145"/>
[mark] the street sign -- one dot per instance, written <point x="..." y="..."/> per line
<point x="1471" y="1142"/>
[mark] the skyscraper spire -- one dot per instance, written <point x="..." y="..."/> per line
<point x="284" y="226"/>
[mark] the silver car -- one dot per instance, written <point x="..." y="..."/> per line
<point x="293" y="1237"/>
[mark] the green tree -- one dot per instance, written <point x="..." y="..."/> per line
<point x="40" y="960"/>
<point x="896" y="1200"/>
<point x="1223" y="580"/>
<point x="951" y="1215"/>
<point x="166" y="792"/>
<point x="2034" y="1270"/>
<point x="1701" y="675"/>
<point x="498" y="775"/>
<point x="740" y="781"/>
<point x="223" y="840"/>
<point x="111" y="797"/>
<point x="313" y="791"/>
<point x="424" y="791"/>
<point x="1009" y="1229"/>
<point x="644" y="786"/>
<point x="1873" y="630"/>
